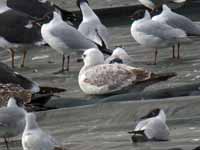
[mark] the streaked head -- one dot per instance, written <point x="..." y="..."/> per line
<point x="92" y="57"/>
<point x="79" y="2"/>
<point x="153" y="113"/>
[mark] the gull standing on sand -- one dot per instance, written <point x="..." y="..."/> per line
<point x="156" y="4"/>
<point x="97" y="78"/>
<point x="152" y="126"/>
<point x="17" y="30"/>
<point x="119" y="55"/>
<point x="65" y="39"/>
<point x="91" y="24"/>
<point x="34" y="138"/>
<point x="153" y="34"/>
<point x="167" y="16"/>
<point x="12" y="120"/>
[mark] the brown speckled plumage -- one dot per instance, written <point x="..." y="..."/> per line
<point x="12" y="90"/>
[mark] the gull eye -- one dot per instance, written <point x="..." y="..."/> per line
<point x="84" y="55"/>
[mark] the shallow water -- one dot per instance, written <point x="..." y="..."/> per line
<point x="94" y="124"/>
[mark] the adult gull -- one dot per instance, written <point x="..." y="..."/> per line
<point x="34" y="138"/>
<point x="65" y="39"/>
<point x="12" y="120"/>
<point x="91" y="23"/>
<point x="153" y="34"/>
<point x="167" y="16"/>
<point x="152" y="126"/>
<point x="17" y="31"/>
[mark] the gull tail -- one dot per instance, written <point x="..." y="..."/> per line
<point x="103" y="48"/>
<point x="155" y="78"/>
<point x="27" y="83"/>
<point x="67" y="15"/>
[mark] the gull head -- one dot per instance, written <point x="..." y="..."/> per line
<point x="30" y="116"/>
<point x="12" y="102"/>
<point x="31" y="121"/>
<point x="79" y="2"/>
<point x="57" y="15"/>
<point x="120" y="52"/>
<point x="153" y="113"/>
<point x="92" y="57"/>
<point x="165" y="8"/>
<point x="140" y="14"/>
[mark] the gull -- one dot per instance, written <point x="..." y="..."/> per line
<point x="153" y="34"/>
<point x="34" y="138"/>
<point x="167" y="16"/>
<point x="91" y="23"/>
<point x="17" y="31"/>
<point x="152" y="126"/>
<point x="155" y="4"/>
<point x="12" y="120"/>
<point x="98" y="78"/>
<point x="65" y="39"/>
<point x="7" y="76"/>
<point x="119" y="55"/>
<point x="39" y="8"/>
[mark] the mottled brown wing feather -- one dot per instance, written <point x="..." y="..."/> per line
<point x="113" y="75"/>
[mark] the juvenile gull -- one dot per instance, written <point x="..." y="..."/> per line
<point x="119" y="55"/>
<point x="34" y="138"/>
<point x="17" y="31"/>
<point x="66" y="39"/>
<point x="153" y="34"/>
<point x="91" y="23"/>
<point x="152" y="126"/>
<point x="12" y="120"/>
<point x="167" y="16"/>
<point x="7" y="75"/>
<point x="97" y="78"/>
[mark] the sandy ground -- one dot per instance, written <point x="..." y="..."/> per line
<point x="85" y="122"/>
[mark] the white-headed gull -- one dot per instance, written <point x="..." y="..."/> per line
<point x="12" y="120"/>
<point x="34" y="138"/>
<point x="91" y="23"/>
<point x="66" y="39"/>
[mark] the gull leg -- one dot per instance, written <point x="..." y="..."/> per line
<point x="6" y="142"/>
<point x="12" y="57"/>
<point x="68" y="60"/>
<point x="178" y="56"/>
<point x="63" y="63"/>
<point x="24" y="56"/>
<point x="155" y="58"/>
<point x="173" y="51"/>
<point x="63" y="66"/>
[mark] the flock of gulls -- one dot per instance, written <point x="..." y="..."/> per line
<point x="42" y="23"/>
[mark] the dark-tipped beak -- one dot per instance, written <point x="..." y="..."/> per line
<point x="79" y="60"/>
